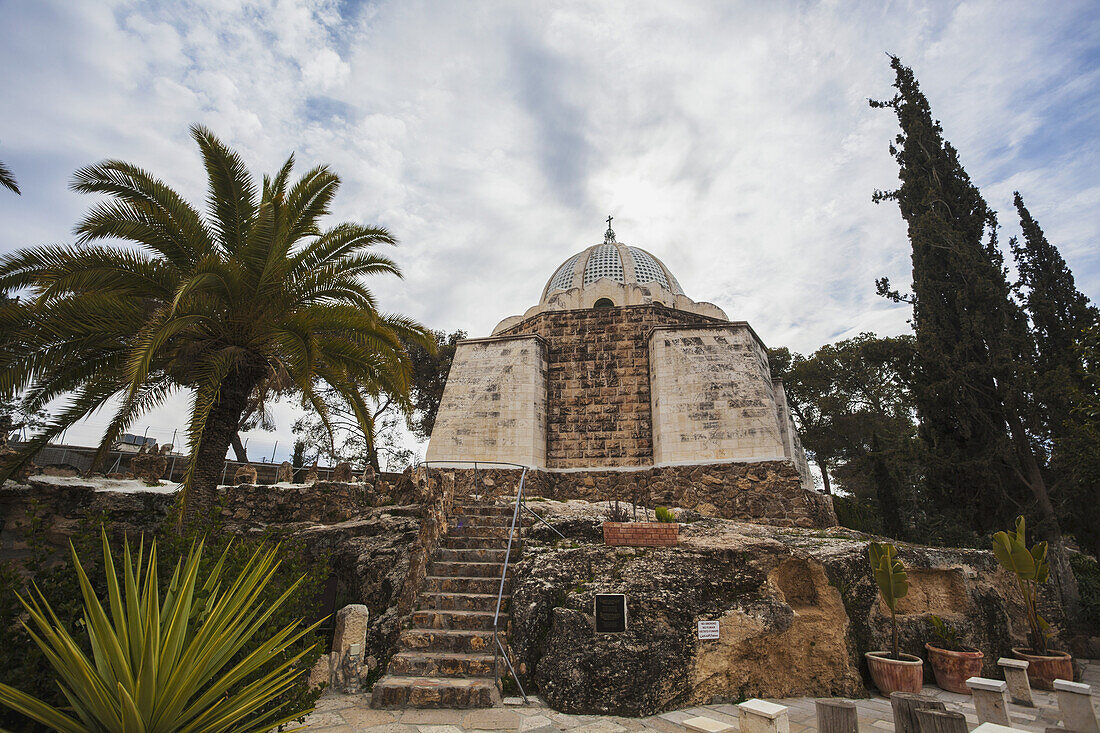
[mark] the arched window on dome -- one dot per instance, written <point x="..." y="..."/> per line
<point x="604" y="303"/>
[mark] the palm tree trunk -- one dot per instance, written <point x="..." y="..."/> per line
<point x="238" y="447"/>
<point x="221" y="427"/>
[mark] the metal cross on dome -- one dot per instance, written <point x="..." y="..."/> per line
<point x="609" y="235"/>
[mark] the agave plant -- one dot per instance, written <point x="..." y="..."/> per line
<point x="1031" y="569"/>
<point x="164" y="665"/>
<point x="891" y="579"/>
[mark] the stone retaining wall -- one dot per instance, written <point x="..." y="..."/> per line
<point x="55" y="511"/>
<point x="768" y="492"/>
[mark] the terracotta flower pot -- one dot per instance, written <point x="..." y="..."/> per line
<point x="952" y="669"/>
<point x="895" y="675"/>
<point x="1043" y="669"/>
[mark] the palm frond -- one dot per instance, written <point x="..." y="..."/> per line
<point x="7" y="178"/>
<point x="232" y="195"/>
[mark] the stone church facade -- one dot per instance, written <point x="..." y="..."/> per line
<point x="617" y="385"/>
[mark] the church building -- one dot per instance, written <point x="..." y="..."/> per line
<point x="617" y="374"/>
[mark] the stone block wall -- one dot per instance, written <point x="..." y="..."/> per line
<point x="494" y="403"/>
<point x="713" y="397"/>
<point x="768" y="492"/>
<point x="598" y="386"/>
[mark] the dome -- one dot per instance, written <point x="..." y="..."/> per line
<point x="614" y="261"/>
<point x="612" y="274"/>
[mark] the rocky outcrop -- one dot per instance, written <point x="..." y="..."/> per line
<point x="342" y="472"/>
<point x="796" y="609"/>
<point x="245" y="474"/>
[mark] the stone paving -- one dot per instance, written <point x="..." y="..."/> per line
<point x="338" y="713"/>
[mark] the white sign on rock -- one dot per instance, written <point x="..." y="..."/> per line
<point x="708" y="629"/>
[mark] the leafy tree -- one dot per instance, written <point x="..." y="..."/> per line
<point x="971" y="385"/>
<point x="385" y="440"/>
<point x="7" y="178"/>
<point x="349" y="441"/>
<point x="854" y="408"/>
<point x="430" y="370"/>
<point x="213" y="304"/>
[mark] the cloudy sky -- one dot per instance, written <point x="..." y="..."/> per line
<point x="732" y="140"/>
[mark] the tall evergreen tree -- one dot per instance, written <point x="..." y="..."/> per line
<point x="972" y="339"/>
<point x="1060" y="316"/>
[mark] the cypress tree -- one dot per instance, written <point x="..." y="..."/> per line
<point x="1060" y="315"/>
<point x="972" y="340"/>
<point x="959" y="300"/>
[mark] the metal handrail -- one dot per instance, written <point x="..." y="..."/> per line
<point x="536" y="515"/>
<point x="498" y="647"/>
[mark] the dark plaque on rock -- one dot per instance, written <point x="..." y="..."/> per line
<point x="610" y="612"/>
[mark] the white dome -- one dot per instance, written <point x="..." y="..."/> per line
<point x="611" y="261"/>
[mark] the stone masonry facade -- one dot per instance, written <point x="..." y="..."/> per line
<point x="598" y="382"/>
<point x="765" y="492"/>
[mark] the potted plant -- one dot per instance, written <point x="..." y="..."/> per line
<point x="953" y="662"/>
<point x="892" y="672"/>
<point x="1031" y="570"/>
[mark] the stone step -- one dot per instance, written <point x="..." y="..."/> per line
<point x="448" y="554"/>
<point x="444" y="568"/>
<point x="470" y="620"/>
<point x="446" y="640"/>
<point x="463" y="584"/>
<point x="454" y="664"/>
<point x="486" y="602"/>
<point x="393" y="691"/>
<point x="482" y="521"/>
<point x="462" y="542"/>
<point x="473" y="530"/>
<point x="500" y="510"/>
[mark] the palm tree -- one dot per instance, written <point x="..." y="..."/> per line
<point x="7" y="178"/>
<point x="253" y="291"/>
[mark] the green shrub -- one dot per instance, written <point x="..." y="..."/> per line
<point x="664" y="514"/>
<point x="1087" y="571"/>
<point x="23" y="665"/>
<point x="858" y="514"/>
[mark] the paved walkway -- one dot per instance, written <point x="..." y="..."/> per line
<point x="338" y="713"/>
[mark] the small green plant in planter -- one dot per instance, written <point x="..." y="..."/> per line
<point x="948" y="636"/>
<point x="952" y="661"/>
<point x="664" y="514"/>
<point x="1031" y="569"/>
<point x="892" y="672"/>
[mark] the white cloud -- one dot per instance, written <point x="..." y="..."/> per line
<point x="733" y="141"/>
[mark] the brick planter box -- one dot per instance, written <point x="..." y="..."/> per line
<point x="641" y="534"/>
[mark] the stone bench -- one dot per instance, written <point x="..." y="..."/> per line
<point x="990" y="700"/>
<point x="761" y="716"/>
<point x="1015" y="674"/>
<point x="1075" y="702"/>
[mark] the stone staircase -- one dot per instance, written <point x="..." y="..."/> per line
<point x="445" y="657"/>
